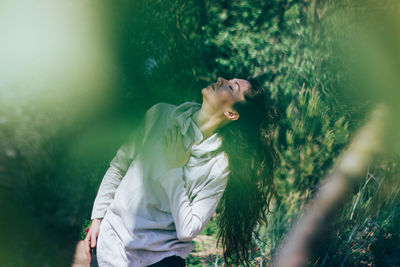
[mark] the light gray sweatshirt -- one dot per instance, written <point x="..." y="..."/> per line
<point x="150" y="213"/>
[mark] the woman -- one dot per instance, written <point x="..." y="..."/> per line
<point x="163" y="186"/>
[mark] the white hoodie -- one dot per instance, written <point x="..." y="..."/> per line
<point x="150" y="213"/>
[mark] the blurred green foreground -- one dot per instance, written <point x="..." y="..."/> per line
<point x="77" y="76"/>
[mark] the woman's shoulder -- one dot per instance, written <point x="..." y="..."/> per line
<point x="166" y="106"/>
<point x="163" y="109"/>
<point x="159" y="111"/>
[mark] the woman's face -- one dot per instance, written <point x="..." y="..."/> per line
<point x="222" y="95"/>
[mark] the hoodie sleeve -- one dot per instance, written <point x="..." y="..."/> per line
<point x="121" y="162"/>
<point x="190" y="216"/>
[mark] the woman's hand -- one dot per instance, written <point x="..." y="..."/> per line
<point x="174" y="151"/>
<point x="91" y="237"/>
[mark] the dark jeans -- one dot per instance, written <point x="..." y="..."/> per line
<point x="173" y="261"/>
<point x="93" y="254"/>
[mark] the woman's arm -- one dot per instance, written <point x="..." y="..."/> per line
<point x="118" y="167"/>
<point x="114" y="174"/>
<point x="190" y="216"/>
<point x="121" y="162"/>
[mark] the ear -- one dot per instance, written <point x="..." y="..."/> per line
<point x="231" y="115"/>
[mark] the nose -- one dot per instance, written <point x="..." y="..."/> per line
<point x="220" y="81"/>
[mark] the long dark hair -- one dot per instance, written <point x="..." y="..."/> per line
<point x="248" y="144"/>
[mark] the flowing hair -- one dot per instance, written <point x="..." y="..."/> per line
<point x="252" y="157"/>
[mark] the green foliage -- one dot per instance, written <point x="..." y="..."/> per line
<point x="167" y="51"/>
<point x="313" y="137"/>
<point x="211" y="229"/>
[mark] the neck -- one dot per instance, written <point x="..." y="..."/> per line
<point x="207" y="122"/>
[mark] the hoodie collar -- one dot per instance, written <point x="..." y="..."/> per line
<point x="191" y="132"/>
<point x="189" y="129"/>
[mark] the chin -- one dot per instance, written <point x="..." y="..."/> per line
<point x="206" y="92"/>
<point x="205" y="95"/>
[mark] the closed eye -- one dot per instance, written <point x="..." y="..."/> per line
<point x="238" y="86"/>
<point x="230" y="87"/>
